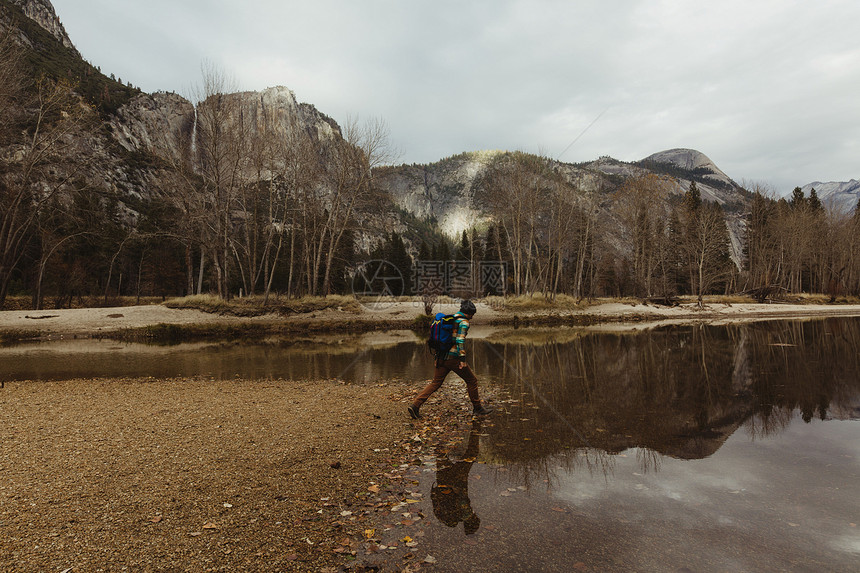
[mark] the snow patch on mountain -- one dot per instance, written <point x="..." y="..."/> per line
<point x="841" y="195"/>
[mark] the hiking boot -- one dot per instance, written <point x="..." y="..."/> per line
<point x="481" y="410"/>
<point x="413" y="411"/>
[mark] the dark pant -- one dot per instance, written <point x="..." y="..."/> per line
<point x="442" y="369"/>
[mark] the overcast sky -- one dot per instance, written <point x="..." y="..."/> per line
<point x="768" y="89"/>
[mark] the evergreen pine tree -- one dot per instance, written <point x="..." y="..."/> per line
<point x="814" y="202"/>
<point x="797" y="200"/>
<point x="424" y="252"/>
<point x="399" y="258"/>
<point x="491" y="245"/>
<point x="464" y="252"/>
<point x="693" y="197"/>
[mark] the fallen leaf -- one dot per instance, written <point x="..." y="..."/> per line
<point x="345" y="513"/>
<point x="429" y="559"/>
<point x="228" y="505"/>
<point x="195" y="533"/>
<point x="368" y="533"/>
<point x="210" y="525"/>
<point x="156" y="519"/>
<point x="373" y="489"/>
<point x="559" y="509"/>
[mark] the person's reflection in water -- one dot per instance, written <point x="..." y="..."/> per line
<point x="450" y="493"/>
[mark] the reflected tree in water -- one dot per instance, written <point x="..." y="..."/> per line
<point x="677" y="391"/>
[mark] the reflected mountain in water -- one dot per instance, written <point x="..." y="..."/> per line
<point x="676" y="391"/>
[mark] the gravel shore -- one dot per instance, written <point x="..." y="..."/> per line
<point x="199" y="474"/>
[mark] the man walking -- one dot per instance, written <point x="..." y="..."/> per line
<point x="454" y="360"/>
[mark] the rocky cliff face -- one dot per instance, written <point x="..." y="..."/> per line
<point x="157" y="123"/>
<point x="42" y="12"/>
<point x="278" y="107"/>
<point x="162" y="123"/>
<point x="444" y="191"/>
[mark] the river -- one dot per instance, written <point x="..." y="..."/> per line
<point x="683" y="448"/>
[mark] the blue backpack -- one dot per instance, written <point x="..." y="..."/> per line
<point x="442" y="334"/>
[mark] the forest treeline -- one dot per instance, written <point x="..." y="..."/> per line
<point x="257" y="206"/>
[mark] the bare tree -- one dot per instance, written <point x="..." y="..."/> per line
<point x="706" y="244"/>
<point x="349" y="192"/>
<point x="221" y="137"/>
<point x="511" y="188"/>
<point x="642" y="204"/>
<point x="41" y="126"/>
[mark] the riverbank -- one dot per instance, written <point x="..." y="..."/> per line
<point x="158" y="321"/>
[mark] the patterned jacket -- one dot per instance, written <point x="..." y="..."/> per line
<point x="458" y="351"/>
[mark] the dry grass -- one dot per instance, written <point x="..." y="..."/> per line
<point x="253" y="306"/>
<point x="535" y="302"/>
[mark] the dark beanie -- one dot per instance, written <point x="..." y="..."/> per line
<point x="467" y="307"/>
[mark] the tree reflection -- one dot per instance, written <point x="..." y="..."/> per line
<point x="676" y="391"/>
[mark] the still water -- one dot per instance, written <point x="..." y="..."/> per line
<point x="693" y="448"/>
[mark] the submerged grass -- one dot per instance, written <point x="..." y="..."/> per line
<point x="13" y="336"/>
<point x="174" y="333"/>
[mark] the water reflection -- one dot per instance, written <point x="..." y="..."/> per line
<point x="450" y="491"/>
<point x="679" y="391"/>
<point x="397" y="354"/>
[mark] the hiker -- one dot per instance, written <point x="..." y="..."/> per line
<point x="454" y="359"/>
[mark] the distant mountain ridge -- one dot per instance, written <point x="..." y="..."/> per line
<point x="444" y="191"/>
<point x="842" y="195"/>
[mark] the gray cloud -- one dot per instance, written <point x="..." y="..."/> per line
<point x="766" y="88"/>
